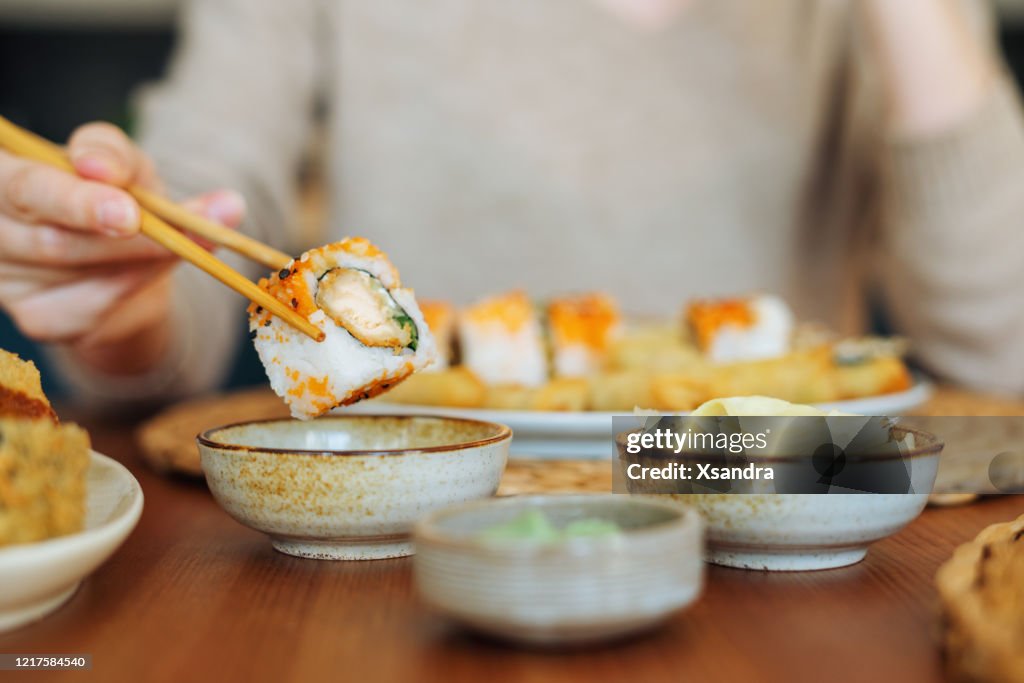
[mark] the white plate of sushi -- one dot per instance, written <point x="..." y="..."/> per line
<point x="588" y="435"/>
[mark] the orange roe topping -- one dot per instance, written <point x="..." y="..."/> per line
<point x="318" y="386"/>
<point x="587" y="319"/>
<point x="707" y="317"/>
<point x="359" y="246"/>
<point x="439" y="315"/>
<point x="512" y="311"/>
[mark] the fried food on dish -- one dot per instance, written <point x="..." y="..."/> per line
<point x="806" y="376"/>
<point x="798" y="377"/>
<point x="655" y="348"/>
<point x="621" y="390"/>
<point x="679" y="391"/>
<point x="870" y="366"/>
<point x="456" y="387"/>
<point x="509" y="397"/>
<point x="981" y="589"/>
<point x="871" y="377"/>
<point x="21" y="389"/>
<point x="562" y="394"/>
<point x="42" y="479"/>
<point x="42" y="463"/>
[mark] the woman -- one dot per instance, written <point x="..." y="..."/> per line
<point x="658" y="149"/>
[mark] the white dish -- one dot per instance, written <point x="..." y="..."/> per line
<point x="37" y="578"/>
<point x="587" y="435"/>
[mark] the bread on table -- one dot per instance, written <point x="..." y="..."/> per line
<point x="21" y="390"/>
<point x="42" y="463"/>
<point x="982" y="594"/>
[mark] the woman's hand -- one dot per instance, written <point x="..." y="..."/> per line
<point x="73" y="267"/>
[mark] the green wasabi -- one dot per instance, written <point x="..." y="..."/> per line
<point x="534" y="526"/>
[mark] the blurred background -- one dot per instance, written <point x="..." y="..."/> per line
<point x="65" y="62"/>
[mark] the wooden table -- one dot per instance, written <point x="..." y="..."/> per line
<point x="194" y="596"/>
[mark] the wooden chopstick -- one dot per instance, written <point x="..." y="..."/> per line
<point x="180" y="217"/>
<point x="30" y="146"/>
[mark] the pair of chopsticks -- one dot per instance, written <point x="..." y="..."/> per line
<point x="159" y="216"/>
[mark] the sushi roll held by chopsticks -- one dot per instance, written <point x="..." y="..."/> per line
<point x="375" y="332"/>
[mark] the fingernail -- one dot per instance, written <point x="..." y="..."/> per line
<point x="92" y="165"/>
<point x="118" y="216"/>
<point x="225" y="207"/>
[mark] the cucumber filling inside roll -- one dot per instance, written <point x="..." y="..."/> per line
<point x="361" y="304"/>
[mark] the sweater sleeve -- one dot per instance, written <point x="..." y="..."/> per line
<point x="233" y="112"/>
<point x="952" y="261"/>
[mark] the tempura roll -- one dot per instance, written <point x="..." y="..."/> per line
<point x="440" y="318"/>
<point x="500" y="339"/>
<point x="750" y="328"/>
<point x="375" y="333"/>
<point x="582" y="329"/>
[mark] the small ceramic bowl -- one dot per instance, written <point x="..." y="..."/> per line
<point x="798" y="532"/>
<point x="578" y="590"/>
<point x="349" y="487"/>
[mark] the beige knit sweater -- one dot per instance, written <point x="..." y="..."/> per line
<point x="488" y="144"/>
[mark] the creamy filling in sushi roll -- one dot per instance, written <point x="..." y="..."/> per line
<point x="731" y="330"/>
<point x="501" y="342"/>
<point x="582" y="328"/>
<point x="440" y="318"/>
<point x="375" y="334"/>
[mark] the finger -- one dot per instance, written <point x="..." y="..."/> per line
<point x="143" y="307"/>
<point x="67" y="313"/>
<point x="36" y="193"/>
<point x="226" y="207"/>
<point x="50" y="245"/>
<point x="101" y="151"/>
<point x="23" y="280"/>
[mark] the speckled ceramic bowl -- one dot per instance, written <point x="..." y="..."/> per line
<point x="578" y="590"/>
<point x="349" y="487"/>
<point x="799" y="532"/>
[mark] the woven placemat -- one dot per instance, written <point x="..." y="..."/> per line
<point x="556" y="476"/>
<point x="168" y="440"/>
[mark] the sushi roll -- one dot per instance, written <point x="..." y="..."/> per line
<point x="582" y="328"/>
<point x="501" y="342"/>
<point x="751" y="328"/>
<point x="440" y="318"/>
<point x="375" y="332"/>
